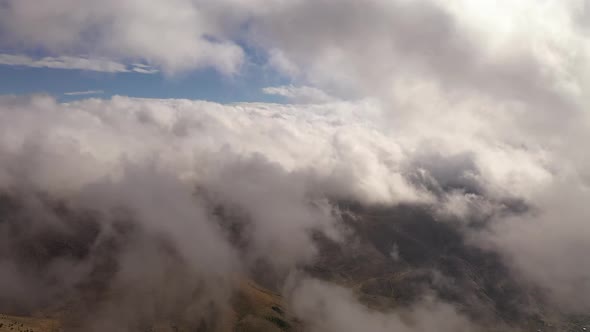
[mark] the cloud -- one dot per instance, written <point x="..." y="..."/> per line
<point x="553" y="234"/>
<point x="465" y="110"/>
<point x="364" y="48"/>
<point x="177" y="36"/>
<point x="326" y="307"/>
<point x="221" y="185"/>
<point x="68" y="62"/>
<point x="350" y="48"/>
<point x="300" y="94"/>
<point x="282" y="135"/>
<point x="140" y="154"/>
<point x="279" y="169"/>
<point x="84" y="93"/>
<point x="162" y="179"/>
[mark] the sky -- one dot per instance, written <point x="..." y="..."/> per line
<point x="278" y="111"/>
<point x="67" y="84"/>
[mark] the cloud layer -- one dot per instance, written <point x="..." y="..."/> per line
<point x="183" y="168"/>
<point x="473" y="112"/>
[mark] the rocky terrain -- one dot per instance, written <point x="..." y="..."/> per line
<point x="393" y="257"/>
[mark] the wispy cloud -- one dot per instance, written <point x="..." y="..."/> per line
<point x="84" y="93"/>
<point x="142" y="70"/>
<point x="300" y="94"/>
<point x="76" y="63"/>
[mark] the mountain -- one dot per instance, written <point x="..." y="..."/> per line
<point x="391" y="258"/>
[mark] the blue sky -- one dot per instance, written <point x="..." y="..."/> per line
<point x="171" y="59"/>
<point x="206" y="84"/>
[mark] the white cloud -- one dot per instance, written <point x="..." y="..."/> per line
<point x="144" y="70"/>
<point x="329" y="308"/>
<point x="267" y="162"/>
<point x="270" y="161"/>
<point x="68" y="62"/>
<point x="351" y="47"/>
<point x="84" y="93"/>
<point x="556" y="235"/>
<point x="487" y="47"/>
<point x="279" y="62"/>
<point x="300" y="94"/>
<point x="279" y="166"/>
<point x="329" y="141"/>
<point x="173" y="35"/>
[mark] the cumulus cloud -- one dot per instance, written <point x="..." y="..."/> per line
<point x="283" y="135"/>
<point x="481" y="47"/>
<point x="173" y="36"/>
